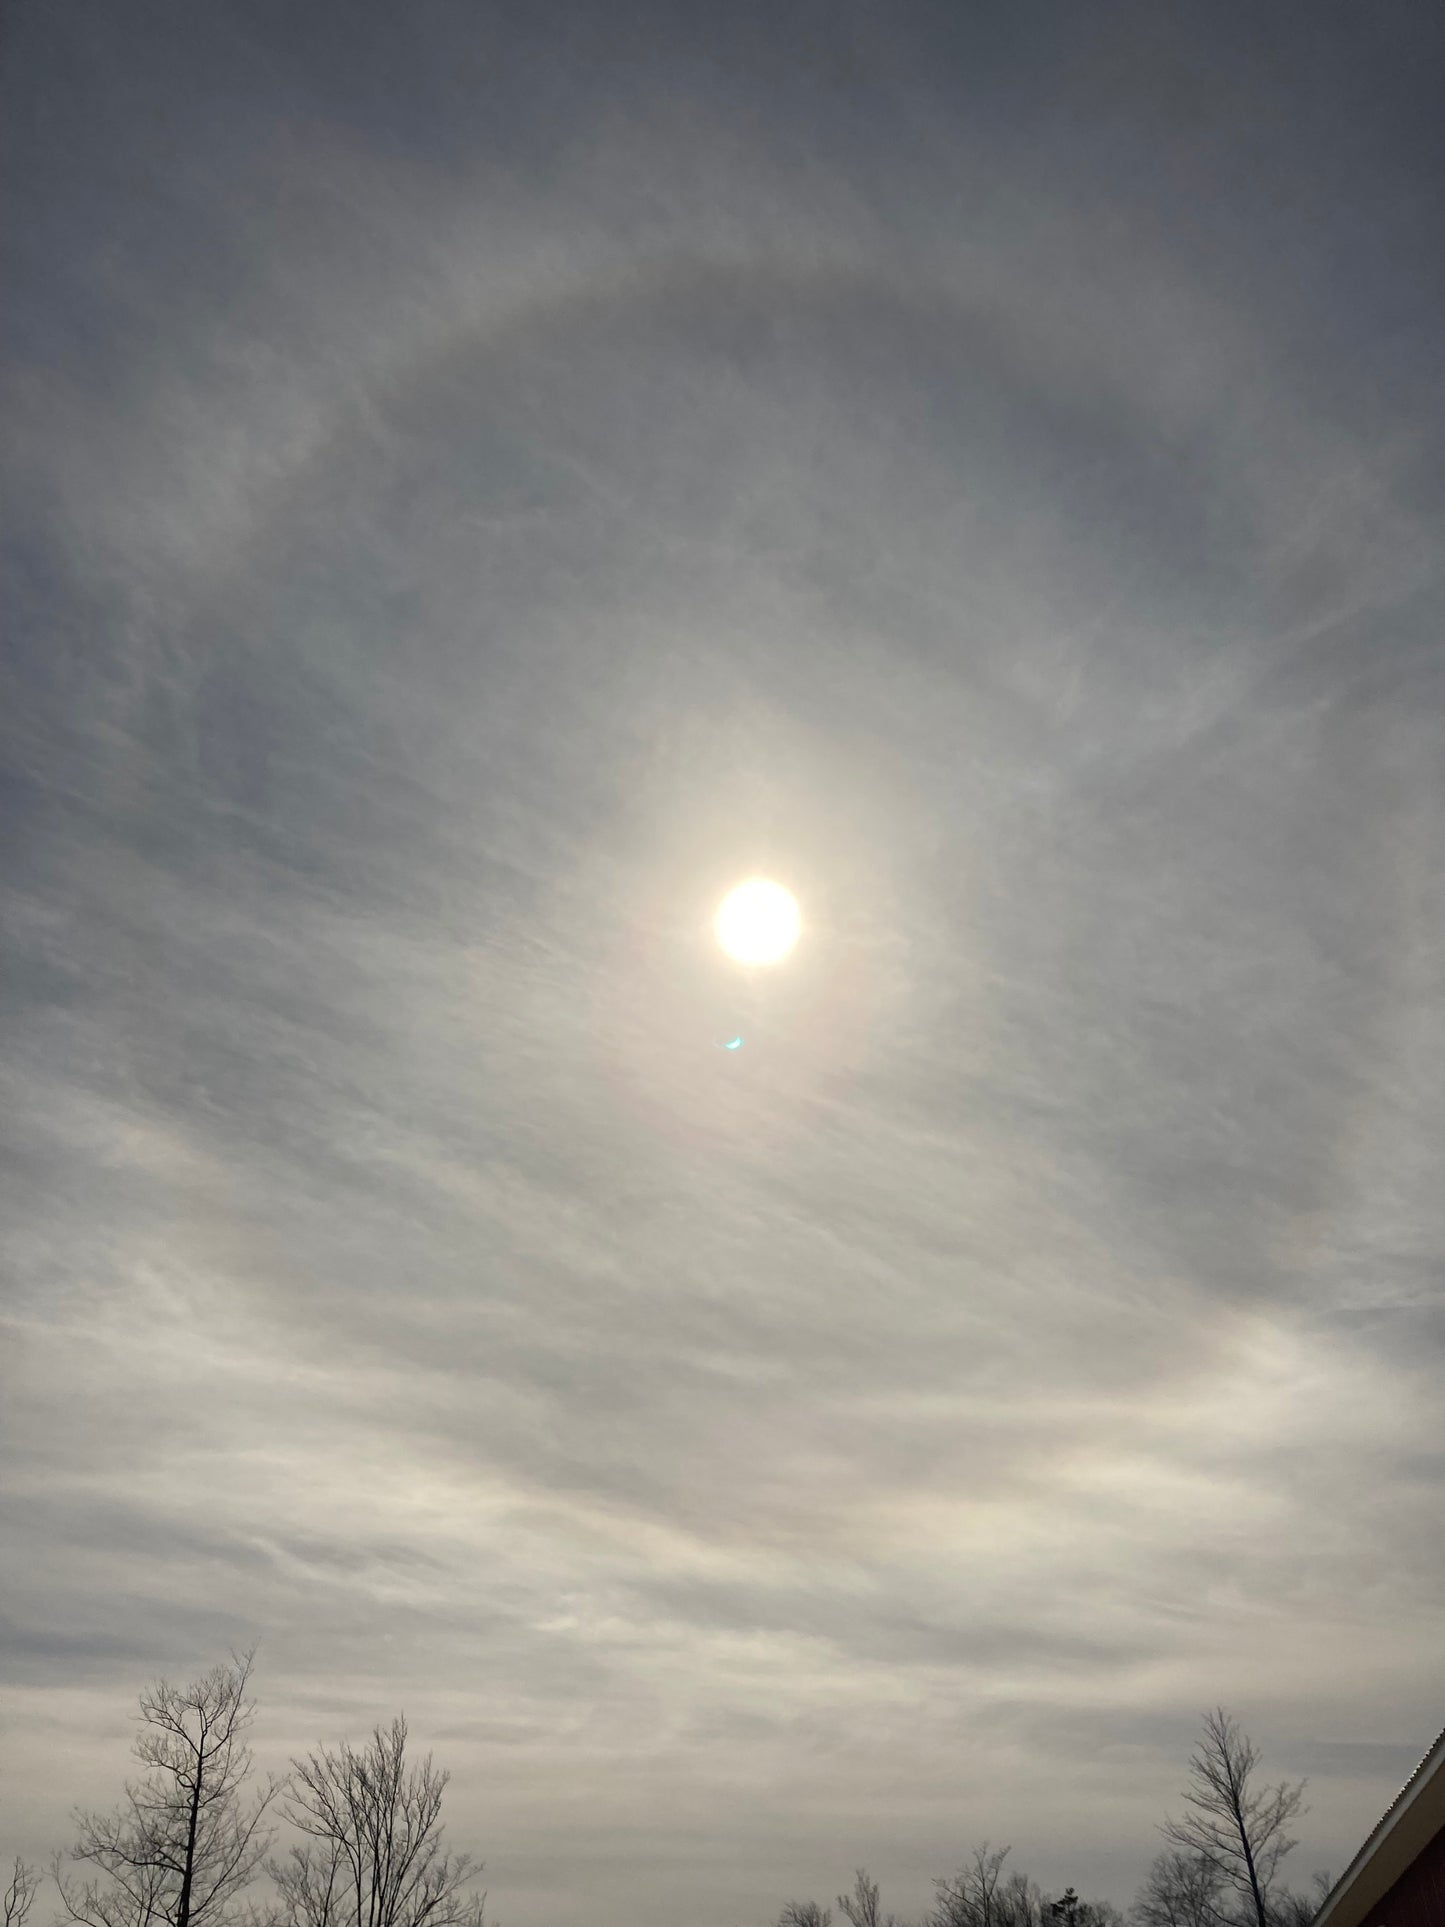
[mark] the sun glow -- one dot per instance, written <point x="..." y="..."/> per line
<point x="758" y="922"/>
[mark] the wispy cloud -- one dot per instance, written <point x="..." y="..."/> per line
<point x="476" y="497"/>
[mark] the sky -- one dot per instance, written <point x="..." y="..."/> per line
<point x="482" y="480"/>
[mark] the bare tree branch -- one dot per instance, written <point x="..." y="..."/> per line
<point x="1181" y="1890"/>
<point x="184" y="1842"/>
<point x="975" y="1896"/>
<point x="1235" y="1826"/>
<point x="20" y="1894"/>
<point x="805" y="1913"/>
<point x="372" y="1853"/>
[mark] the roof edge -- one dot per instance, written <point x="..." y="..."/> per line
<point x="1374" y="1870"/>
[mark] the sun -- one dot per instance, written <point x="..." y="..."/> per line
<point x="758" y="922"/>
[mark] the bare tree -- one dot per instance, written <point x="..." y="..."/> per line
<point x="1018" y="1903"/>
<point x="373" y="1855"/>
<point x="1299" y="1910"/>
<point x="861" y="1906"/>
<point x="1291" y="1910"/>
<point x="805" y="1913"/>
<point x="20" y="1893"/>
<point x="1180" y="1890"/>
<point x="185" y="1841"/>
<point x="1239" y="1828"/>
<point x="971" y="1897"/>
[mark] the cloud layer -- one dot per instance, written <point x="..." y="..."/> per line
<point x="477" y="490"/>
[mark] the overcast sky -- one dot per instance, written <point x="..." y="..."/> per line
<point x="480" y="481"/>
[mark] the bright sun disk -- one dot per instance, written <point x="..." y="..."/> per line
<point x="758" y="922"/>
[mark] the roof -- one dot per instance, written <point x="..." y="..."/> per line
<point x="1408" y="1825"/>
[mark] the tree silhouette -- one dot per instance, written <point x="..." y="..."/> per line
<point x="20" y="1892"/>
<point x="1237" y="1827"/>
<point x="184" y="1842"/>
<point x="373" y="1855"/>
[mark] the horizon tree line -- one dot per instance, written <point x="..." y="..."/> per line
<point x="191" y="1835"/>
<point x="1220" y="1869"/>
